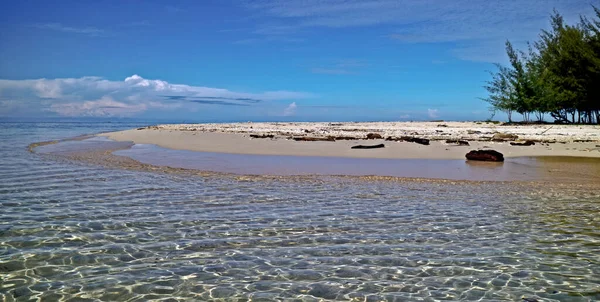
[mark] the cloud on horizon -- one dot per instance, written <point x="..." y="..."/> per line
<point x="98" y="97"/>
<point x="290" y="110"/>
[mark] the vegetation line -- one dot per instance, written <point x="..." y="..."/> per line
<point x="558" y="75"/>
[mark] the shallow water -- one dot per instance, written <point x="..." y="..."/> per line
<point x="523" y="168"/>
<point x="76" y="231"/>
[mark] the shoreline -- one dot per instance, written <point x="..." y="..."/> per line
<point x="337" y="139"/>
<point x="176" y="148"/>
<point x="549" y="172"/>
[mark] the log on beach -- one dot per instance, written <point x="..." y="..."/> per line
<point x="525" y="143"/>
<point x="314" y="139"/>
<point x="368" y="146"/>
<point x="262" y="135"/>
<point x="418" y="140"/>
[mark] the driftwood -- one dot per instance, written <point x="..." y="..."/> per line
<point x="525" y="143"/>
<point x="368" y="146"/>
<point x="262" y="135"/>
<point x="314" y="139"/>
<point x="422" y="141"/>
<point x="346" y="138"/>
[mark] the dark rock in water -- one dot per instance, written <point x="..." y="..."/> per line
<point x="530" y="299"/>
<point x="473" y="132"/>
<point x="485" y="155"/>
<point x="418" y="140"/>
<point x="525" y="143"/>
<point x="502" y="137"/>
<point x="262" y="135"/>
<point x="141" y="128"/>
<point x="368" y="146"/>
<point x="314" y="139"/>
<point x="346" y="138"/>
<point x="458" y="142"/>
<point x="442" y="125"/>
<point x="374" y="136"/>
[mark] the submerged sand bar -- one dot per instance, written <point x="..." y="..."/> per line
<point x="235" y="138"/>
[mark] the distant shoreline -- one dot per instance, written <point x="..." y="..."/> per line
<point x="336" y="139"/>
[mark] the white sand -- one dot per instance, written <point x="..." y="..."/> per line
<point x="234" y="138"/>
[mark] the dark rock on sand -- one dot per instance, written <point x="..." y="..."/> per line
<point x="262" y="135"/>
<point x="485" y="155"/>
<point x="374" y="136"/>
<point x="368" y="146"/>
<point x="458" y="142"/>
<point x="525" y="143"/>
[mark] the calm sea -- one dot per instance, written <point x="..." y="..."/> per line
<point x="74" y="231"/>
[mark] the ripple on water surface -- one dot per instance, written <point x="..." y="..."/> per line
<point x="75" y="231"/>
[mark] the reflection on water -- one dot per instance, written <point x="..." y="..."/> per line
<point x="83" y="232"/>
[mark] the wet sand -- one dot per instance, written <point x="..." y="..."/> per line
<point x="145" y="157"/>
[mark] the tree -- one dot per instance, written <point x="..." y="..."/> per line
<point x="560" y="74"/>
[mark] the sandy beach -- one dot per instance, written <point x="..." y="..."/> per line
<point x="287" y="139"/>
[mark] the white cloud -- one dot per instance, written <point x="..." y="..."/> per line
<point x="433" y="113"/>
<point x="290" y="110"/>
<point x="103" y="107"/>
<point x="95" y="96"/>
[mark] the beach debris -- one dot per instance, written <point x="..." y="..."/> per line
<point x="262" y="135"/>
<point x="525" y="143"/>
<point x="418" y="140"/>
<point x="368" y="146"/>
<point x="374" y="136"/>
<point x="502" y="137"/>
<point x="485" y="155"/>
<point x="314" y="139"/>
<point x="442" y="125"/>
<point x="473" y="132"/>
<point x="346" y="138"/>
<point x="422" y="141"/>
<point x="458" y="142"/>
<point x="142" y="128"/>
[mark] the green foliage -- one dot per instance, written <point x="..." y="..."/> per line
<point x="560" y="74"/>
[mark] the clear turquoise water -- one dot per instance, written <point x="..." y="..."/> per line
<point x="77" y="232"/>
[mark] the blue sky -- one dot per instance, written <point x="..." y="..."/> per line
<point x="260" y="60"/>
